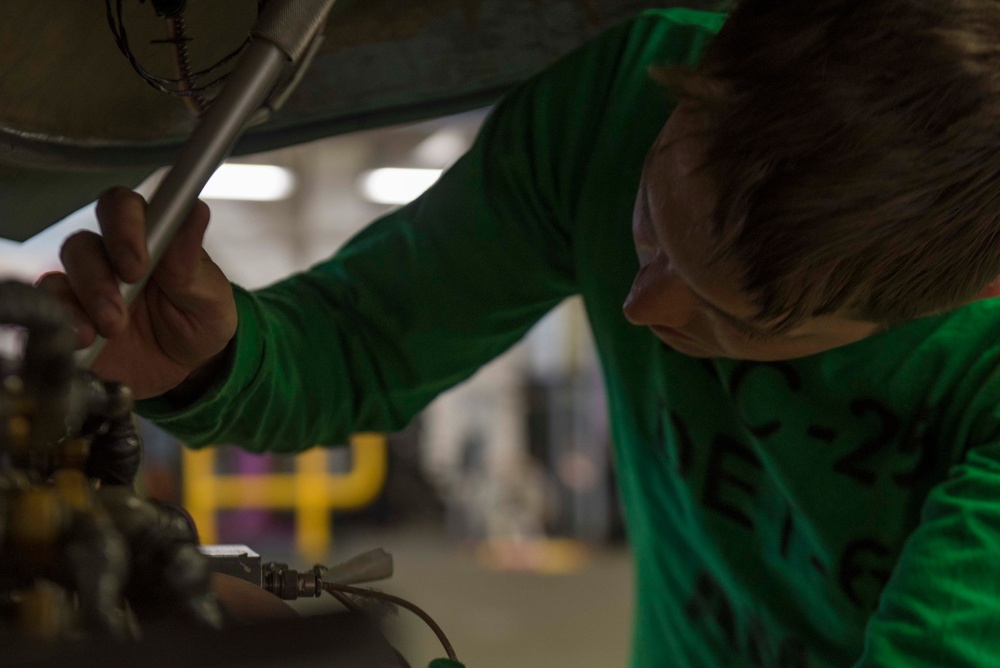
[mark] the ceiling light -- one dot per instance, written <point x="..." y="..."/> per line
<point x="396" y="185"/>
<point x="443" y="147"/>
<point x="258" y="183"/>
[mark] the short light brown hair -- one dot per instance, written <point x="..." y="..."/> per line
<point x="856" y="148"/>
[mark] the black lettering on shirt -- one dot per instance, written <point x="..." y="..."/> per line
<point x="787" y="530"/>
<point x="740" y="374"/>
<point x="920" y="440"/>
<point x="661" y="434"/>
<point x="792" y="654"/>
<point x="685" y="446"/>
<point x="821" y="433"/>
<point x="759" y="650"/>
<point x="856" y="464"/>
<point x="721" y="477"/>
<point x="709" y="602"/>
<point x="864" y="569"/>
<point x="786" y="533"/>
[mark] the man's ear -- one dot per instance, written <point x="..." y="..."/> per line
<point x="991" y="290"/>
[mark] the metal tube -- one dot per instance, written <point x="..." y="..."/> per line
<point x="282" y="34"/>
<point x="208" y="146"/>
<point x="199" y="157"/>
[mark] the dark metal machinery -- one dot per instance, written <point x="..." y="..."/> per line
<point x="85" y="561"/>
<point x="75" y="541"/>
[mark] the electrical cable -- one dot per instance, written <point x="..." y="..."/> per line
<point x="332" y="587"/>
<point x="189" y="83"/>
<point x="345" y="600"/>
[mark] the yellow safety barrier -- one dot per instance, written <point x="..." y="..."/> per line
<point x="312" y="491"/>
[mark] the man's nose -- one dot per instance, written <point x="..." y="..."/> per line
<point x="659" y="297"/>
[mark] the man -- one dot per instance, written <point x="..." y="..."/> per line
<point x="803" y="383"/>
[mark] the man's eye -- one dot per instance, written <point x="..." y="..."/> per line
<point x="749" y="333"/>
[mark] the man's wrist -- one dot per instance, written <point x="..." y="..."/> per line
<point x="204" y="378"/>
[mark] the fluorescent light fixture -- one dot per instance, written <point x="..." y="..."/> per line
<point x="396" y="185"/>
<point x="443" y="147"/>
<point x="257" y="183"/>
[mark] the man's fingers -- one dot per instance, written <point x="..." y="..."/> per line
<point x="94" y="282"/>
<point x="182" y="260"/>
<point x="181" y="274"/>
<point x="122" y="216"/>
<point x="57" y="284"/>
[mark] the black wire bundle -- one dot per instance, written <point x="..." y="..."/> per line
<point x="189" y="84"/>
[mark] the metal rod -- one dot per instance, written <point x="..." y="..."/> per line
<point x="199" y="157"/>
<point x="283" y="33"/>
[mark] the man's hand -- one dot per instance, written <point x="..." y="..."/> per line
<point x="182" y="320"/>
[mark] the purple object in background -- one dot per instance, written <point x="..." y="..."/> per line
<point x="246" y="524"/>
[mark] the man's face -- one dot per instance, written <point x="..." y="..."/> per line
<point x="690" y="300"/>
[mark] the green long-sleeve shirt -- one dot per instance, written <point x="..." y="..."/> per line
<point x="840" y="509"/>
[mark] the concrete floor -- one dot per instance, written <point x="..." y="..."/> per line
<point x="500" y="619"/>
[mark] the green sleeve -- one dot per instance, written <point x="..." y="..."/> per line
<point x="941" y="606"/>
<point x="423" y="297"/>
